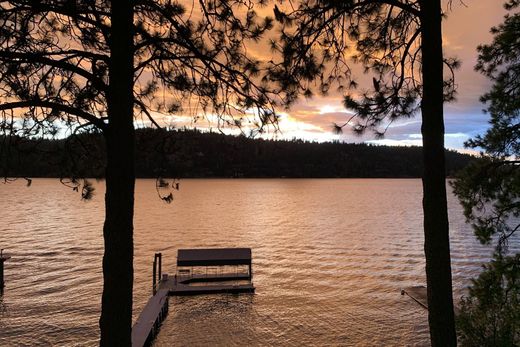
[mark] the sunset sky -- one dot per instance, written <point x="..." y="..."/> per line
<point x="466" y="27"/>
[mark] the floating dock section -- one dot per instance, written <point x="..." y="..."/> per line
<point x="199" y="271"/>
<point x="182" y="286"/>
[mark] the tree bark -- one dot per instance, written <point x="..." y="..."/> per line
<point x="116" y="307"/>
<point x="436" y="226"/>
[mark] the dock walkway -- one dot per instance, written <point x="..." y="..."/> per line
<point x="147" y="325"/>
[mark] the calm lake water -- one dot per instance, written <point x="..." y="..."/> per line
<point x="329" y="260"/>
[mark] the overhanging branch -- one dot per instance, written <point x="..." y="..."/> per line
<point x="55" y="106"/>
<point x="29" y="58"/>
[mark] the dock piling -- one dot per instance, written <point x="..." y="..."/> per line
<point x="154" y="276"/>
<point x="3" y="258"/>
<point x="160" y="265"/>
<point x="157" y="267"/>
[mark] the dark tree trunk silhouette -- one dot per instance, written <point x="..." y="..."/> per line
<point x="116" y="314"/>
<point x="436" y="227"/>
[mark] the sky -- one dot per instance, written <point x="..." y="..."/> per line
<point x="466" y="27"/>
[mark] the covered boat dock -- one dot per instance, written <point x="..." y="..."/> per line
<point x="211" y="270"/>
<point x="199" y="271"/>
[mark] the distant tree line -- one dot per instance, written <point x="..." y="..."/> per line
<point x="192" y="153"/>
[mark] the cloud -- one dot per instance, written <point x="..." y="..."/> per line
<point x="464" y="118"/>
<point x="451" y="141"/>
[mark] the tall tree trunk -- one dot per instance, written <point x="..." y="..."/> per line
<point x="116" y="308"/>
<point x="436" y="227"/>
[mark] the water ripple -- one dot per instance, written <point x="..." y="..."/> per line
<point x="330" y="257"/>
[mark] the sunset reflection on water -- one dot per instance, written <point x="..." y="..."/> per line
<point x="329" y="260"/>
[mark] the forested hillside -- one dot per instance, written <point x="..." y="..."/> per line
<point x="191" y="153"/>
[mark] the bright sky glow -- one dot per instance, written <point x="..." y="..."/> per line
<point x="466" y="27"/>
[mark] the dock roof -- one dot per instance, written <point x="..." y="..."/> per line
<point x="214" y="256"/>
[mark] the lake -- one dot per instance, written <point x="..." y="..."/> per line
<point x="329" y="259"/>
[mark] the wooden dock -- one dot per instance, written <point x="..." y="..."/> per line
<point x="188" y="282"/>
<point x="418" y="294"/>
<point x="147" y="325"/>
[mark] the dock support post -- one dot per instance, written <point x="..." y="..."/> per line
<point x="160" y="266"/>
<point x="3" y="258"/>
<point x="157" y="267"/>
<point x="1" y="274"/>
<point x="154" y="276"/>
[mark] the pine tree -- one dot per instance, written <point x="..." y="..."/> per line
<point x="489" y="191"/>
